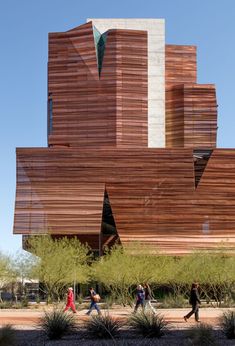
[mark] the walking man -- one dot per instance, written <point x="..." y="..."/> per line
<point x="194" y="300"/>
<point x="95" y="298"/>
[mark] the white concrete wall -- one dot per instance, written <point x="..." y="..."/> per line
<point x="156" y="70"/>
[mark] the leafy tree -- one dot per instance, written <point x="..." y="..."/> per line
<point x="59" y="263"/>
<point x="6" y="273"/>
<point x="123" y="267"/>
<point x="22" y="264"/>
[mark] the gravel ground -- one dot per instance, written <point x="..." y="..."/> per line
<point x="27" y="337"/>
<point x="27" y="333"/>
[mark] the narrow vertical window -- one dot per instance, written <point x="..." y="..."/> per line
<point x="50" y="109"/>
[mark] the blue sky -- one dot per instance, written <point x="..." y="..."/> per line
<point x="24" y="28"/>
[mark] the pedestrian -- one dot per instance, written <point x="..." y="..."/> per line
<point x="194" y="300"/>
<point x="95" y="298"/>
<point x="147" y="299"/>
<point x="139" y="298"/>
<point x="70" y="301"/>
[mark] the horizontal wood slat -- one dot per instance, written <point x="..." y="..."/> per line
<point x="88" y="109"/>
<point x="151" y="191"/>
<point x="191" y="116"/>
<point x="181" y="64"/>
<point x="191" y="109"/>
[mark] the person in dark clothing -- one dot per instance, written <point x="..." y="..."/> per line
<point x="94" y="300"/>
<point x="194" y="300"/>
<point x="148" y="297"/>
<point x="139" y="298"/>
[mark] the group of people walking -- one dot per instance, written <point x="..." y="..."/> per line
<point x="143" y="300"/>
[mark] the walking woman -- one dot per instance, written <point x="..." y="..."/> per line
<point x="70" y="301"/>
<point x="194" y="300"/>
<point x="148" y="297"/>
<point x="139" y="298"/>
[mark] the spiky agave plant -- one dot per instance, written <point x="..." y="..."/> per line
<point x="56" y="324"/>
<point x="7" y="335"/>
<point x="148" y="324"/>
<point x="227" y="323"/>
<point x="201" y="335"/>
<point x="103" y="327"/>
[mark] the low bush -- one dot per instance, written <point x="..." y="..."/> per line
<point x="227" y="323"/>
<point x="24" y="302"/>
<point x="57" y="323"/>
<point x="7" y="336"/>
<point x="6" y="305"/>
<point x="201" y="335"/>
<point x="171" y="301"/>
<point x="103" y="327"/>
<point x="149" y="325"/>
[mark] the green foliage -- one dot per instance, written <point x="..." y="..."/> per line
<point x="56" y="324"/>
<point x="103" y="327"/>
<point x="59" y="263"/>
<point x="6" y="305"/>
<point x="122" y="268"/>
<point x="201" y="335"/>
<point x="227" y="323"/>
<point x="7" y="336"/>
<point x="24" y="302"/>
<point x="7" y="275"/>
<point x="172" y="301"/>
<point x="149" y="325"/>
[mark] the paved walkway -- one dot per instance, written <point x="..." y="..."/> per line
<point x="29" y="318"/>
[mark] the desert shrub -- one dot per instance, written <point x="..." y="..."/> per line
<point x="6" y="305"/>
<point x="24" y="302"/>
<point x="227" y="323"/>
<point x="109" y="301"/>
<point x="7" y="336"/>
<point x="148" y="324"/>
<point x="172" y="301"/>
<point x="56" y="324"/>
<point x="103" y="327"/>
<point x="201" y="335"/>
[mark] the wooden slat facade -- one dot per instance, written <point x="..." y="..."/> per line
<point x="88" y="109"/>
<point x="191" y="109"/>
<point x="181" y="65"/>
<point x="177" y="199"/>
<point x="191" y="116"/>
<point x="151" y="191"/>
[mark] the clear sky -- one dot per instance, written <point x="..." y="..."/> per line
<point x="24" y="28"/>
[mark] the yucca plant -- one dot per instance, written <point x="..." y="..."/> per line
<point x="7" y="336"/>
<point x="149" y="325"/>
<point x="103" y="327"/>
<point x="201" y="335"/>
<point x="227" y="323"/>
<point x="56" y="324"/>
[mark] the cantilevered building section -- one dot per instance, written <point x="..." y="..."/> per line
<point x="131" y="150"/>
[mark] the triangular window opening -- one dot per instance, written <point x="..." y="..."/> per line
<point x="100" y="40"/>
<point x="201" y="158"/>
<point x="108" y="226"/>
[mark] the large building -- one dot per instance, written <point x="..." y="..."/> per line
<point x="131" y="150"/>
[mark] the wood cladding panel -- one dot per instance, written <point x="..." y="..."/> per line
<point x="180" y="64"/>
<point x="191" y="109"/>
<point x="89" y="109"/>
<point x="191" y="116"/>
<point x="151" y="191"/>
